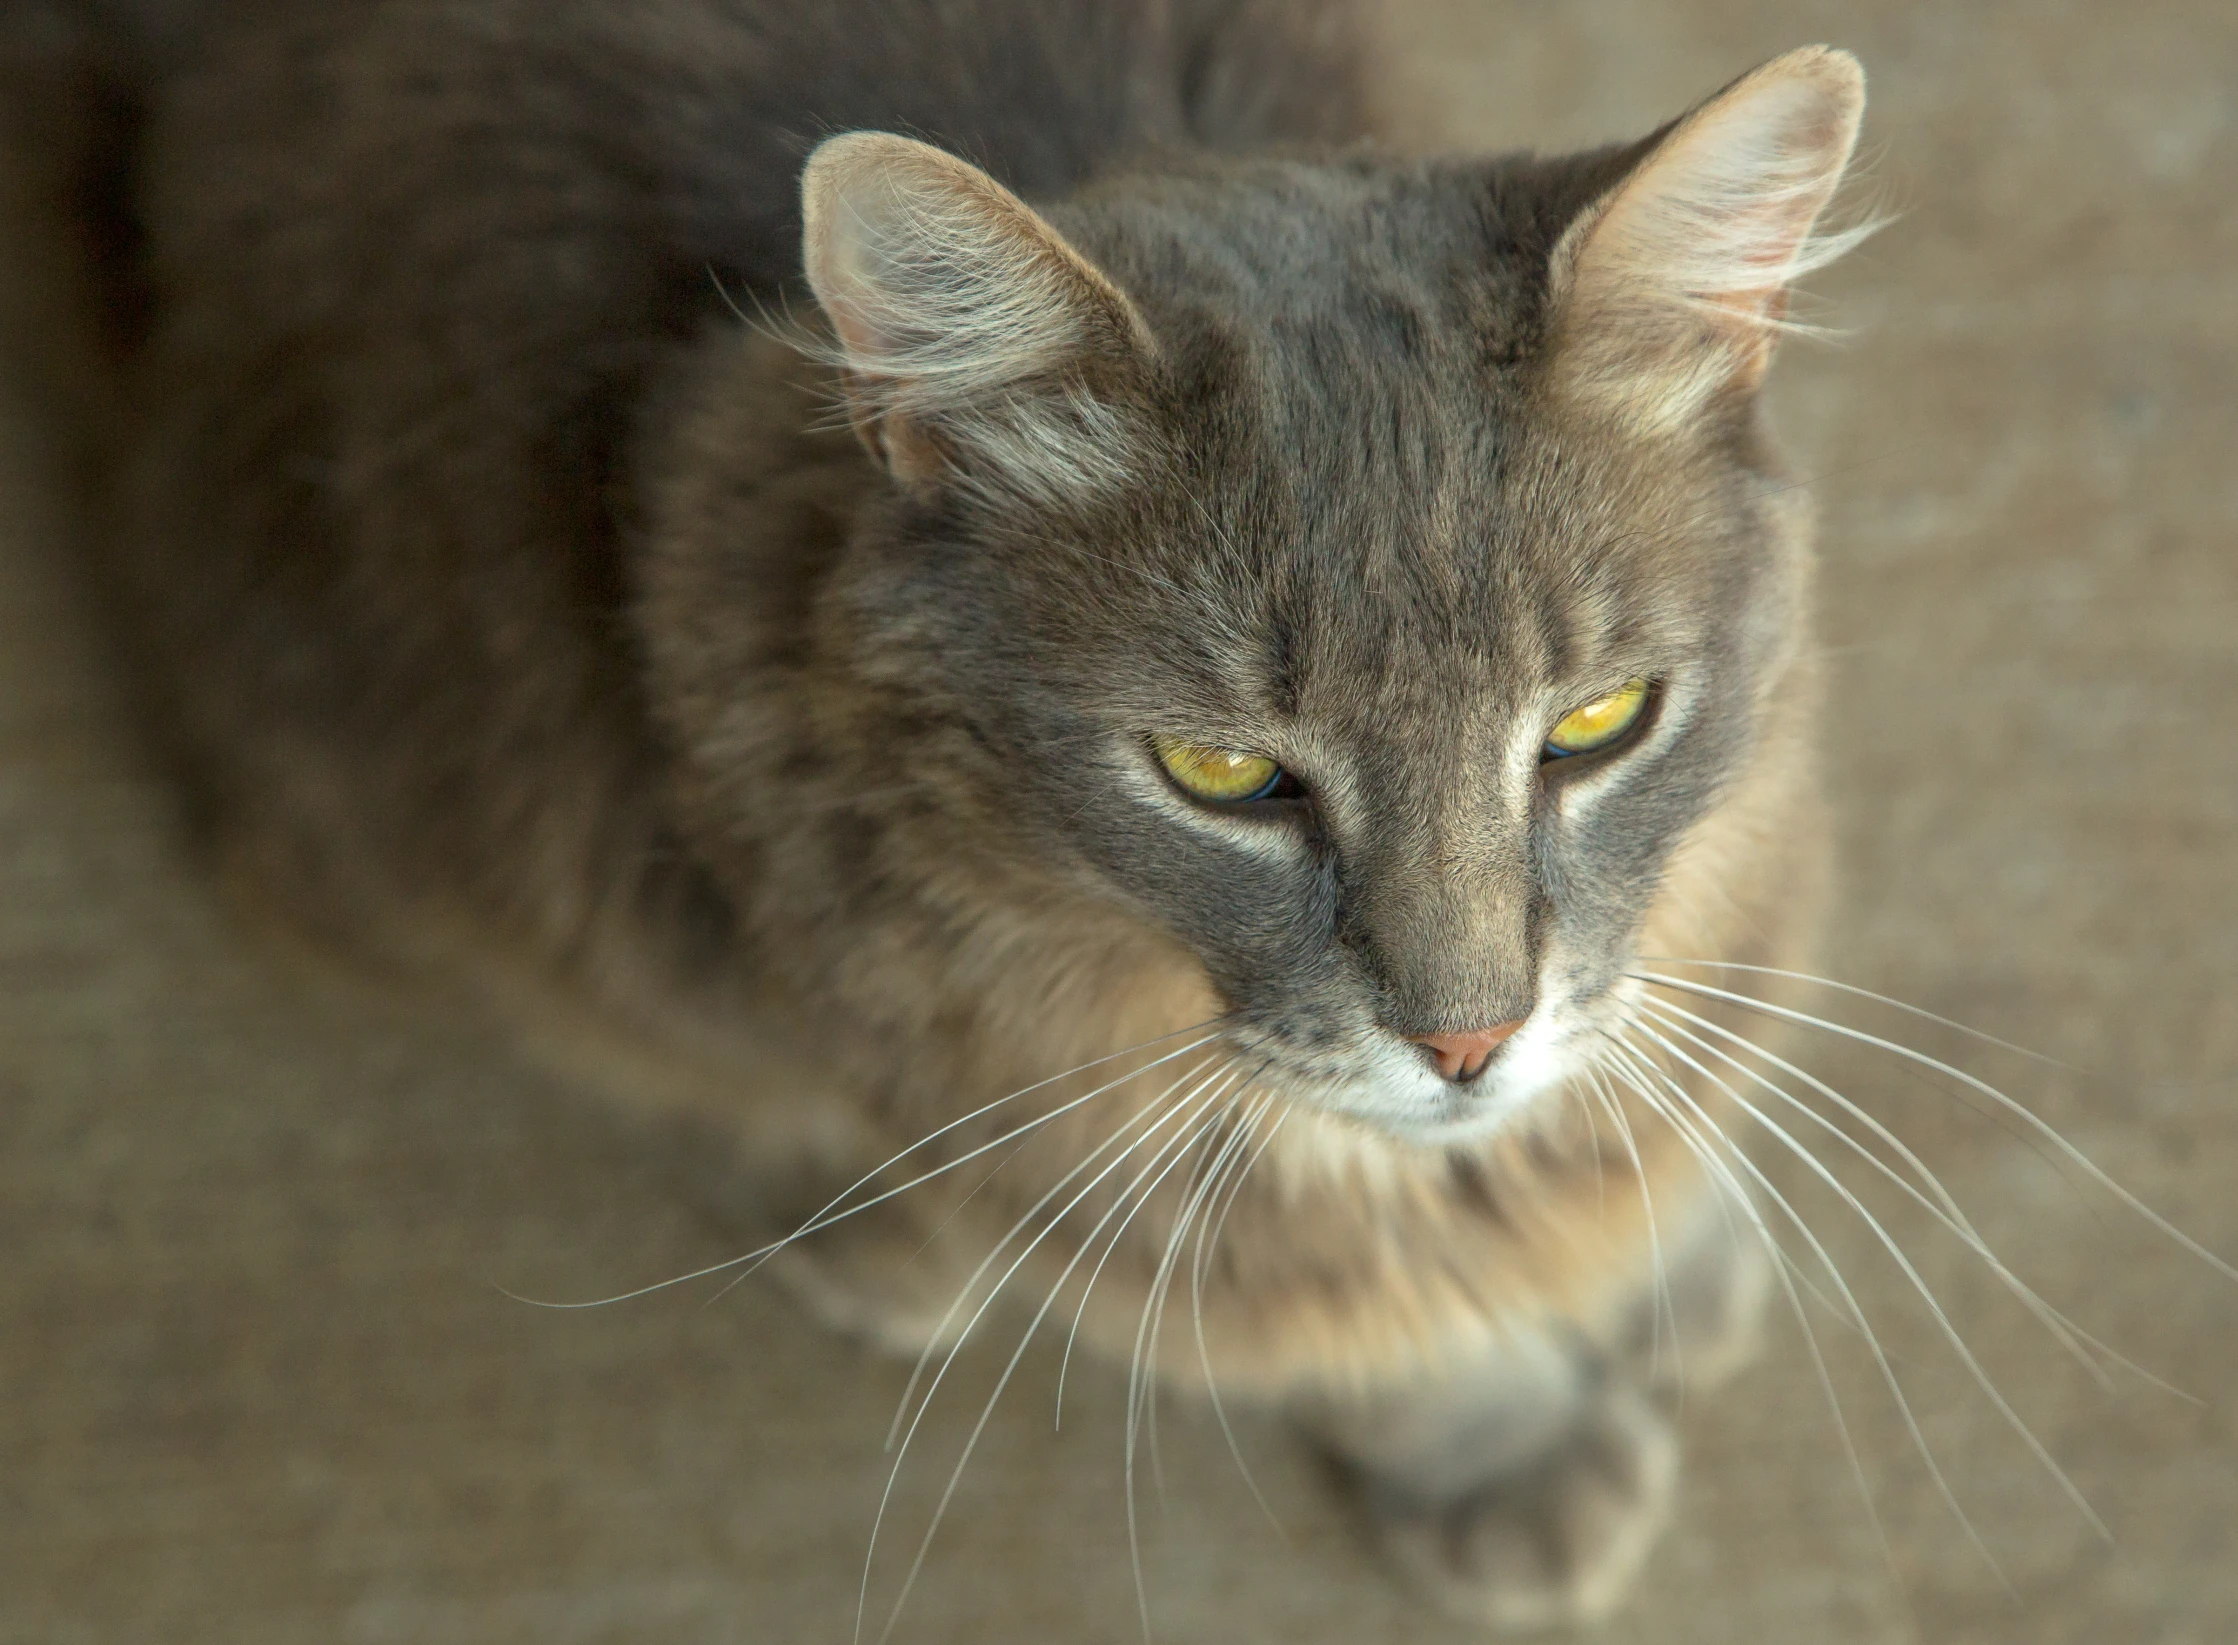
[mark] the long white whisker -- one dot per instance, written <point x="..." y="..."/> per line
<point x="2070" y="1335"/>
<point x="1064" y="1365"/>
<point x="1725" y="1209"/>
<point x="1950" y="1211"/>
<point x="901" y="1455"/>
<point x="2041" y="1127"/>
<point x="962" y="1205"/>
<point x="1192" y="1192"/>
<point x="1892" y="1003"/>
<point x="1199" y="1209"/>
<point x="1024" y="1130"/>
<point x="1593" y="1129"/>
<point x="1142" y="1384"/>
<point x="1197" y="1202"/>
<point x="1896" y="1253"/>
<point x="1666" y="1315"/>
<point x="1849" y="1297"/>
<point x="1189" y="1132"/>
<point x="1783" y="1269"/>
<point x="1205" y="1247"/>
<point x="823" y="1219"/>
<point x="995" y="1255"/>
<point x="1231" y="1150"/>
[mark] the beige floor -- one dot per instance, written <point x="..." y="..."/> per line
<point x="257" y="1382"/>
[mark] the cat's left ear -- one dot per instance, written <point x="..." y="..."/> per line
<point x="1673" y="287"/>
<point x="977" y="345"/>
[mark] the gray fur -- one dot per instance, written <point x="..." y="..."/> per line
<point x="500" y="600"/>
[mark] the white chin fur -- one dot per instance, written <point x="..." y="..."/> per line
<point x="1406" y="1100"/>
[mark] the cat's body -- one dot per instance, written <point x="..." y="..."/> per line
<point x="506" y="603"/>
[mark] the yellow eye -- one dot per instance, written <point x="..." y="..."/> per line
<point x="1599" y="723"/>
<point x="1218" y="774"/>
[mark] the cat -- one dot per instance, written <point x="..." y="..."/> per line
<point x="1007" y="609"/>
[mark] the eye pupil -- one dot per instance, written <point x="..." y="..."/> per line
<point x="1598" y="724"/>
<point x="1222" y="776"/>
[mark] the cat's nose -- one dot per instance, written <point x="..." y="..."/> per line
<point x="1461" y="1057"/>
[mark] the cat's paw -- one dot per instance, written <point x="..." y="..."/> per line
<point x="871" y="1275"/>
<point x="1556" y="1543"/>
<point x="1693" y="1331"/>
<point x="867" y="1277"/>
<point x="864" y="1289"/>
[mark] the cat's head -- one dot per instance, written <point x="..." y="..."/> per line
<point x="1368" y="571"/>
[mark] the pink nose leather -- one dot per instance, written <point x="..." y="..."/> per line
<point x="1463" y="1056"/>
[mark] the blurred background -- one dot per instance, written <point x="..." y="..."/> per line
<point x="257" y="1379"/>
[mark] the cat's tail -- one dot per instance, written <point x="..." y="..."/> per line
<point x="77" y="79"/>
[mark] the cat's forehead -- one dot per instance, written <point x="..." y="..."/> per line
<point x="1359" y="241"/>
<point x="1369" y="512"/>
<point x="1410" y="546"/>
<point x="1404" y="625"/>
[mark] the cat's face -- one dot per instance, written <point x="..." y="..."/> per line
<point x="1344" y="502"/>
<point x="1397" y="606"/>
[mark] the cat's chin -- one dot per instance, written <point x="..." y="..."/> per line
<point x="1472" y="1116"/>
<point x="1469" y="1126"/>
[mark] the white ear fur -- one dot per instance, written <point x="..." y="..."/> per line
<point x="1675" y="285"/>
<point x="959" y="316"/>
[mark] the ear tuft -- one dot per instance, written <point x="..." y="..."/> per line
<point x="967" y="327"/>
<point x="1675" y="285"/>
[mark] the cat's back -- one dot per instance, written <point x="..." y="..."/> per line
<point x="411" y="272"/>
<point x="338" y="143"/>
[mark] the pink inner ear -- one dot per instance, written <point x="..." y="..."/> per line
<point x="1724" y="211"/>
<point x="1682" y="279"/>
<point x="960" y="317"/>
<point x="1767" y="243"/>
<point x="939" y="282"/>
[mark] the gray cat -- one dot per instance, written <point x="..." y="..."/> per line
<point x="1153" y="704"/>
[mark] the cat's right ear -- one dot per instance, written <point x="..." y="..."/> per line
<point x="977" y="347"/>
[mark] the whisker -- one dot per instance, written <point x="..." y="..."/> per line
<point x="824" y="1219"/>
<point x="2049" y="1316"/>
<point x="2040" y="1127"/>
<point x="1666" y="1314"/>
<point x="995" y="1255"/>
<point x="1949" y="1214"/>
<point x="1199" y="1208"/>
<point x="954" y="1211"/>
<point x="1849" y="1299"/>
<point x="1911" y="1272"/>
<point x="1184" y="1138"/>
<point x="1725" y="1204"/>
<point x="1024" y="1130"/>
<point x="1953" y="1214"/>
<point x="1600" y="1175"/>
<point x="1891" y="1002"/>
<point x="1191" y="1191"/>
<point x="1198" y="1193"/>
<point x="1087" y="1291"/>
<point x="1182" y="1134"/>
<point x="1634" y="1073"/>
<point x="1142" y="1384"/>
<point x="1196" y="1303"/>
